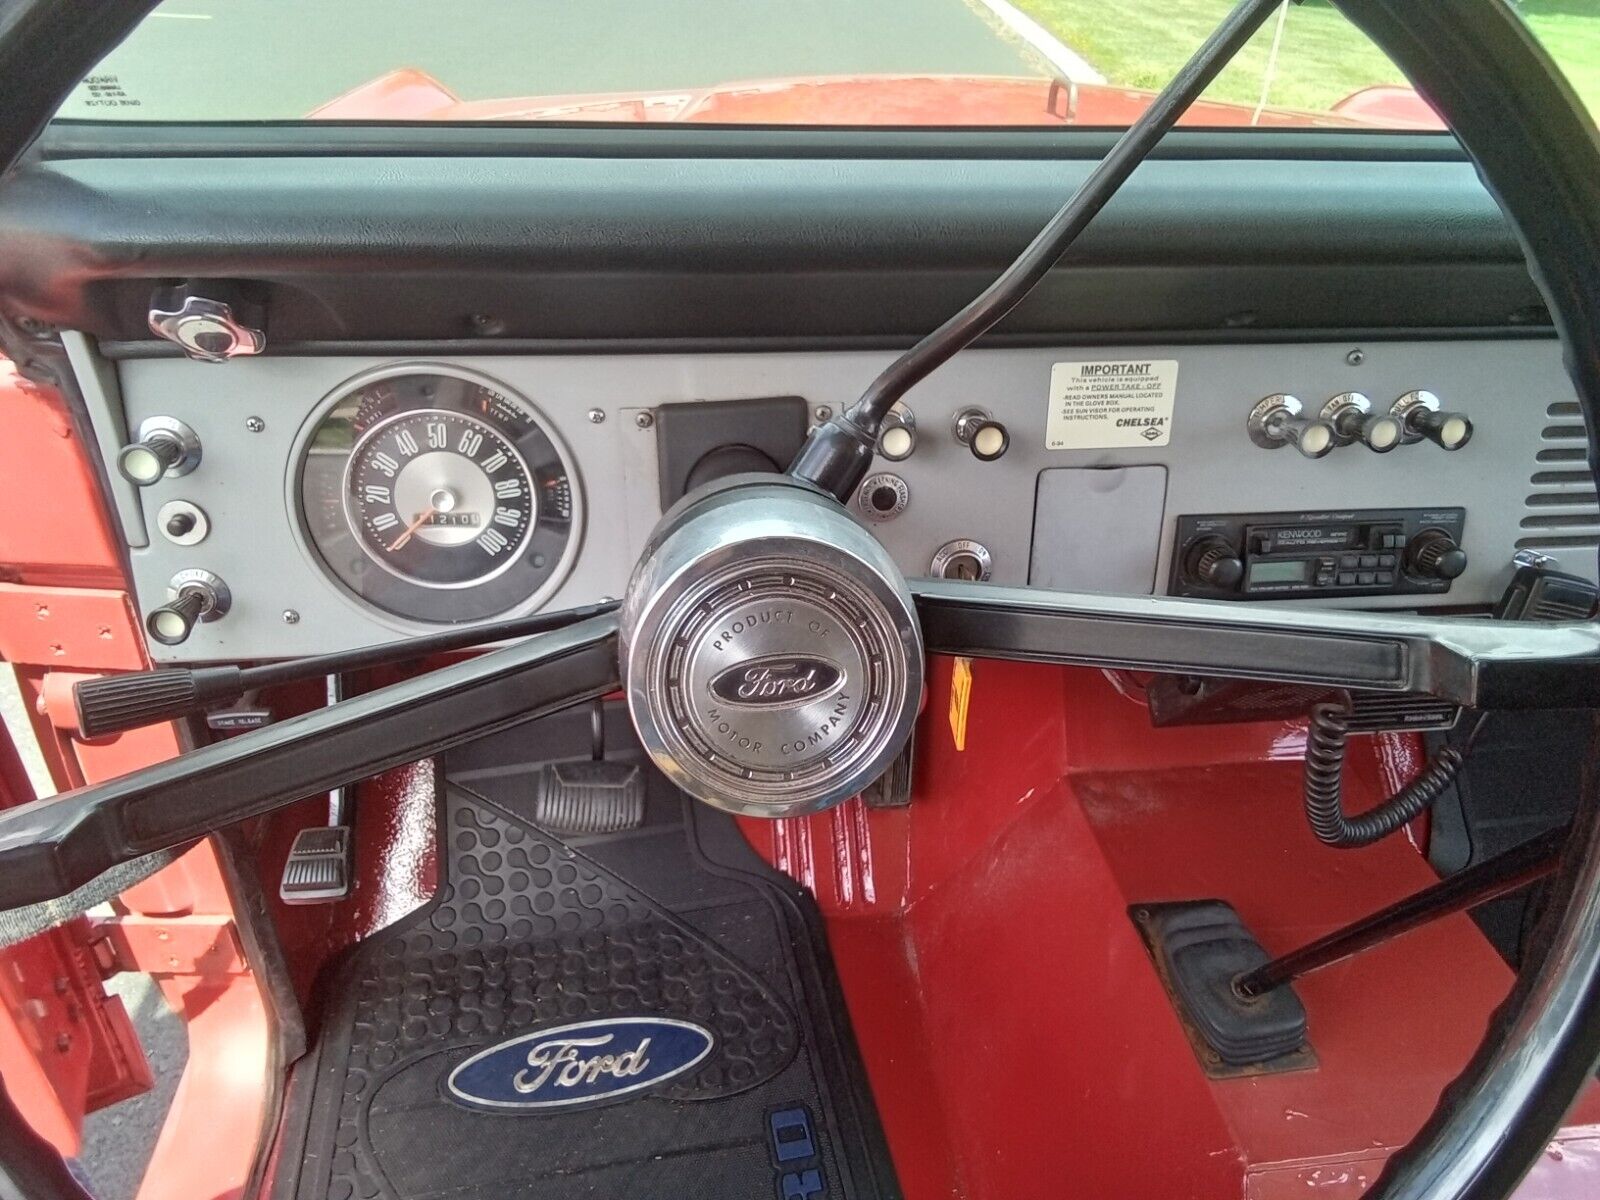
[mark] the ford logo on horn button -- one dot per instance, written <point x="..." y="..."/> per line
<point x="575" y="1065"/>
<point x="777" y="680"/>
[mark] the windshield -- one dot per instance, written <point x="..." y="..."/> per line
<point x="768" y="62"/>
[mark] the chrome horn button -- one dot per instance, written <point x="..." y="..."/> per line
<point x="770" y="650"/>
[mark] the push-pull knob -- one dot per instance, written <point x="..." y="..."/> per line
<point x="1422" y="416"/>
<point x="1352" y="418"/>
<point x="897" y="438"/>
<point x="165" y="446"/>
<point x="1433" y="554"/>
<point x="1280" y="420"/>
<point x="195" y="596"/>
<point x="980" y="433"/>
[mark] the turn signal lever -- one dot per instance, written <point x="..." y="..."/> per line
<point x="114" y="703"/>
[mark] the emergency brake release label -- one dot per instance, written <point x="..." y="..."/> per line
<point x="1104" y="405"/>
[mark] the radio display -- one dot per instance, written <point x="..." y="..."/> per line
<point x="1296" y="570"/>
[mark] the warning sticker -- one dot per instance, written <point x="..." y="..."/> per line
<point x="1101" y="405"/>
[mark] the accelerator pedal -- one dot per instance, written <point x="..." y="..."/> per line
<point x="1200" y="947"/>
<point x="589" y="797"/>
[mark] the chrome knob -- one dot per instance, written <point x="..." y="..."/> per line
<point x="1352" y="418"/>
<point x="1280" y="420"/>
<point x="1422" y="416"/>
<point x="897" y="438"/>
<point x="206" y="330"/>
<point x="166" y="446"/>
<point x="194" y="596"/>
<point x="977" y="430"/>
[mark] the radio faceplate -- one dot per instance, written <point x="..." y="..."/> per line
<point x="1305" y="555"/>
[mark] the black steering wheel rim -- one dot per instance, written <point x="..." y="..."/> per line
<point x="1539" y="154"/>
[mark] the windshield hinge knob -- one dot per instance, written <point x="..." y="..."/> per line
<point x="194" y="596"/>
<point x="1280" y="420"/>
<point x="1422" y="416"/>
<point x="206" y="330"/>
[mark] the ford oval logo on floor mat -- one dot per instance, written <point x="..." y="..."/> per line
<point x="573" y="1065"/>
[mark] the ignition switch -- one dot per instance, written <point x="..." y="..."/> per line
<point x="963" y="559"/>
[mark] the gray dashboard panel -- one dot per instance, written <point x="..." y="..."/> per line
<point x="1506" y="386"/>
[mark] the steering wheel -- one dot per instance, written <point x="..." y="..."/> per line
<point x="772" y="654"/>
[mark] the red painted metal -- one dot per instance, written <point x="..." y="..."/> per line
<point x="87" y="629"/>
<point x="1012" y="1026"/>
<point x="886" y="100"/>
<point x="60" y="535"/>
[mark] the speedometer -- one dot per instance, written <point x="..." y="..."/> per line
<point x="437" y="495"/>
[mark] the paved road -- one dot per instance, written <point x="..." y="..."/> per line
<point x="278" y="59"/>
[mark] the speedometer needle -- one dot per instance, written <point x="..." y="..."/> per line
<point x="411" y="528"/>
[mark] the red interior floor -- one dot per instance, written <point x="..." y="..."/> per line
<point x="1018" y="1040"/>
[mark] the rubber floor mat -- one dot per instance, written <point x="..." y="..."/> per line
<point x="642" y="1014"/>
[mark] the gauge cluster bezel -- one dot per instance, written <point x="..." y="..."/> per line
<point x="329" y="540"/>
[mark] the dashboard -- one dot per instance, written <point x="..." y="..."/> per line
<point x="491" y="361"/>
<point x="347" y="500"/>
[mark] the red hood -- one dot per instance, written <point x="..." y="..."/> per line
<point x="884" y="100"/>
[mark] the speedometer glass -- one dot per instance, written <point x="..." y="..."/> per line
<point x="437" y="496"/>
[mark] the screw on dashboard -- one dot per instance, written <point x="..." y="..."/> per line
<point x="1356" y="357"/>
<point x="597" y="416"/>
<point x="644" y="419"/>
<point x="254" y="424"/>
<point x="291" y="617"/>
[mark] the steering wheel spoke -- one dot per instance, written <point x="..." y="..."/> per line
<point x="1470" y="661"/>
<point x="51" y="847"/>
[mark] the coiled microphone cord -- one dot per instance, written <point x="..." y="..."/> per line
<point x="1324" y="782"/>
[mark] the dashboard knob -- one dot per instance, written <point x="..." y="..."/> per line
<point x="1280" y="420"/>
<point x="1433" y="554"/>
<point x="1422" y="416"/>
<point x="165" y="446"/>
<point x="1213" y="562"/>
<point x="196" y="596"/>
<point x="897" y="439"/>
<point x="980" y="433"/>
<point x="1351" y="415"/>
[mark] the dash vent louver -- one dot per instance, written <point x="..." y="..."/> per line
<point x="1561" y="512"/>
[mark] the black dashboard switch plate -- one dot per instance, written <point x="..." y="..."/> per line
<point x="740" y="432"/>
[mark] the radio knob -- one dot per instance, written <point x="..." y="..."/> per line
<point x="1215" y="563"/>
<point x="1434" y="555"/>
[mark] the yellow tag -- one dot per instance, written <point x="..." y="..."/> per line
<point x="960" y="696"/>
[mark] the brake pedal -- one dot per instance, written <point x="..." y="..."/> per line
<point x="589" y="797"/>
<point x="318" y="868"/>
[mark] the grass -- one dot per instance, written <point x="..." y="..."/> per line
<point x="1141" y="43"/>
